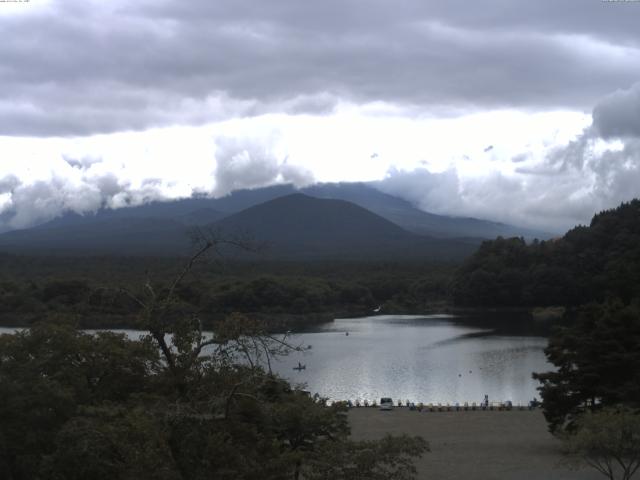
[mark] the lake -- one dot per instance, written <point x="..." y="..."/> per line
<point x="431" y="359"/>
<point x="435" y="358"/>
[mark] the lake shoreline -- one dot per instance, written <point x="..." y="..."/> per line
<point x="279" y="322"/>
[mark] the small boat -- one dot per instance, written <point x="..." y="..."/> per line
<point x="346" y="333"/>
<point x="377" y="309"/>
<point x="300" y="367"/>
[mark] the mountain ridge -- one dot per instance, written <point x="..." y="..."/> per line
<point x="394" y="209"/>
<point x="295" y="226"/>
<point x="320" y="227"/>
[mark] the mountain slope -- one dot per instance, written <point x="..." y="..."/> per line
<point x="191" y="211"/>
<point x="295" y="226"/>
<point x="112" y="236"/>
<point x="298" y="225"/>
<point x="403" y="213"/>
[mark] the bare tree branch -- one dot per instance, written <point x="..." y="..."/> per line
<point x="132" y="297"/>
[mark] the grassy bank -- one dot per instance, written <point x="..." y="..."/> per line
<point x="474" y="445"/>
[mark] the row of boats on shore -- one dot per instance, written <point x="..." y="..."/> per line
<point x="388" y="404"/>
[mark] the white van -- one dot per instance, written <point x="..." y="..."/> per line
<point x="386" y="403"/>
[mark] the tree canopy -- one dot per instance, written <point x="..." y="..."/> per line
<point x="588" y="264"/>
<point x="608" y="441"/>
<point x="598" y="364"/>
<point x="177" y="404"/>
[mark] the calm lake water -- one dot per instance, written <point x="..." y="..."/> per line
<point x="434" y="358"/>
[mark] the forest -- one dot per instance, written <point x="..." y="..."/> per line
<point x="588" y="264"/>
<point x="286" y="294"/>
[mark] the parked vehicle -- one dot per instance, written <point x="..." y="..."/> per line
<point x="386" y="403"/>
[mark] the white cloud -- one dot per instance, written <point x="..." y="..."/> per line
<point x="247" y="163"/>
<point x="548" y="170"/>
<point x="43" y="178"/>
<point x="562" y="186"/>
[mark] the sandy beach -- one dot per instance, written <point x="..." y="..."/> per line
<point x="474" y="445"/>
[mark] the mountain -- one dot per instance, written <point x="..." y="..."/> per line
<point x="294" y="226"/>
<point x="298" y="225"/>
<point x="203" y="210"/>
<point x="189" y="211"/>
<point x="107" y="236"/>
<point x="403" y="213"/>
<point x="394" y="209"/>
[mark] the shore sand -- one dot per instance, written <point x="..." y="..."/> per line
<point x="474" y="445"/>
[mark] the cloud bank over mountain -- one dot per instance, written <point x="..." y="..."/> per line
<point x="84" y="185"/>
<point x="597" y="170"/>
<point x="246" y="163"/>
<point x="556" y="190"/>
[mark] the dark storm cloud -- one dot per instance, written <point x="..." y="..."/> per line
<point x="89" y="67"/>
<point x="618" y="114"/>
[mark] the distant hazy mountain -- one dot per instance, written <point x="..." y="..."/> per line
<point x="325" y="219"/>
<point x="392" y="208"/>
<point x="403" y="213"/>
<point x="294" y="226"/>
<point x="300" y="226"/>
<point x="189" y="211"/>
<point x="106" y="236"/>
<point x="202" y="210"/>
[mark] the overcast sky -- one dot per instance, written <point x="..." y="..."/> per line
<point x="526" y="112"/>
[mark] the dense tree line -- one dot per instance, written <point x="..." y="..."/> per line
<point x="302" y="293"/>
<point x="588" y="264"/>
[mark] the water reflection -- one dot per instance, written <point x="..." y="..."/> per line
<point x="421" y="358"/>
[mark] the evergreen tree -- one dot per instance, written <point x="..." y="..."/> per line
<point x="598" y="364"/>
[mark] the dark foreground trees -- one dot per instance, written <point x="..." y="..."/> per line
<point x="608" y="441"/>
<point x="592" y="400"/>
<point x="598" y="364"/>
<point x="78" y="406"/>
<point x="176" y="404"/>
